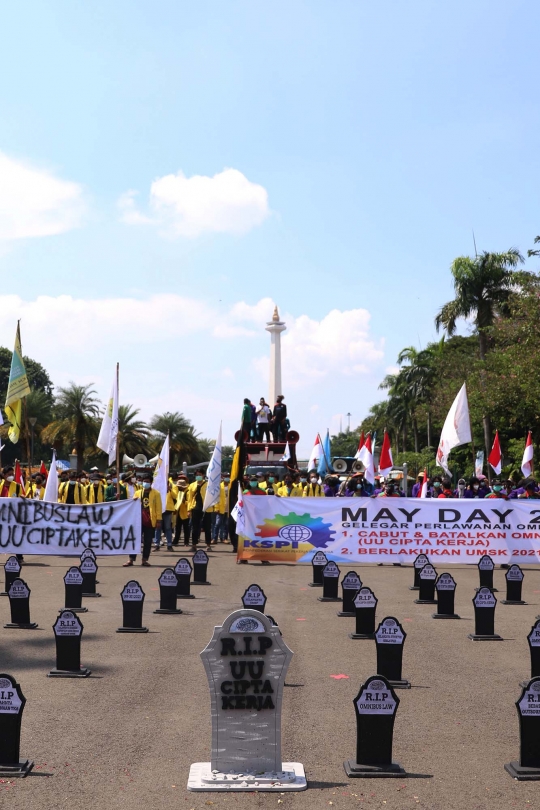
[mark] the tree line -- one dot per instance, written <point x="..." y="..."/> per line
<point x="498" y="360"/>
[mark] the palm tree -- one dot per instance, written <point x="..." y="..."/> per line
<point x="133" y="434"/>
<point x="183" y="439"/>
<point x="76" y="420"/>
<point x="38" y="407"/>
<point x="483" y="287"/>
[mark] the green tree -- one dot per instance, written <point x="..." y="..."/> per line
<point x="37" y="376"/>
<point x="183" y="440"/>
<point x="75" y="421"/>
<point x="133" y="433"/>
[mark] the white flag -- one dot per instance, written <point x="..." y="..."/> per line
<point x="456" y="429"/>
<point x="161" y="473"/>
<point x="214" y="476"/>
<point x="366" y="457"/>
<point x="51" y="487"/>
<point x="237" y="512"/>
<point x="287" y="454"/>
<point x="316" y="454"/>
<point x="108" y="435"/>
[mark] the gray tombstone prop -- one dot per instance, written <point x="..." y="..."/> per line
<point x="427" y="577"/>
<point x="246" y="662"/>
<point x="12" y="703"/>
<point x="88" y="568"/>
<point x="527" y="768"/>
<point x="330" y="576"/>
<point x="132" y="596"/>
<point x="254" y="598"/>
<point x="486" y="566"/>
<point x="183" y="570"/>
<point x="68" y="630"/>
<point x="200" y="567"/>
<point x="12" y="570"/>
<point x="73" y="585"/>
<point x="350" y="585"/>
<point x="446" y="591"/>
<point x="484" y="603"/>
<point x="88" y="552"/>
<point x="514" y="583"/>
<point x="418" y="564"/>
<point x="318" y="562"/>
<point x="19" y="603"/>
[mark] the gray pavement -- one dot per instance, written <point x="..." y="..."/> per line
<point x="125" y="737"/>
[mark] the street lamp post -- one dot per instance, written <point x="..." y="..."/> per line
<point x="32" y="421"/>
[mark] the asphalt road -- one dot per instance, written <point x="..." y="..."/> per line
<point x="125" y="737"/>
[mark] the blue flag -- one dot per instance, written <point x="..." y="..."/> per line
<point x="323" y="467"/>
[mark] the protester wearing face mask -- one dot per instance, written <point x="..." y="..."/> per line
<point x="436" y="487"/>
<point x="115" y="491"/>
<point x="222" y="514"/>
<point x="475" y="489"/>
<point x="131" y="483"/>
<point x="253" y="487"/>
<point x="289" y="488"/>
<point x="183" y="523"/>
<point x="530" y="491"/>
<point x="37" y="489"/>
<point x="72" y="491"/>
<point x="331" y="486"/>
<point x="95" y="491"/>
<point x="497" y="491"/>
<point x="200" y="520"/>
<point x="166" y="519"/>
<point x="313" y="489"/>
<point x="389" y="491"/>
<point x="355" y="487"/>
<point x="151" y="515"/>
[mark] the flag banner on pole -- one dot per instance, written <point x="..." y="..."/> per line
<point x="161" y="473"/>
<point x="479" y="463"/>
<point x="108" y="434"/>
<point x="423" y="489"/>
<point x="388" y="530"/>
<point x="316" y="454"/>
<point x="528" y="455"/>
<point x="456" y="429"/>
<point x="287" y="454"/>
<point x="30" y="526"/>
<point x="18" y="388"/>
<point x="495" y="457"/>
<point x="237" y="512"/>
<point x="366" y="457"/>
<point x="51" y="487"/>
<point x="325" y="459"/>
<point x="361" y="443"/>
<point x="17" y="477"/>
<point x="213" y="489"/>
<point x="385" y="460"/>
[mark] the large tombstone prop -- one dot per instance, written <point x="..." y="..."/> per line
<point x="418" y="564"/>
<point x="427" y="577"/>
<point x="19" y="603"/>
<point x="528" y="709"/>
<point x="12" y="569"/>
<point x="484" y="616"/>
<point x="514" y="583"/>
<point x="350" y="585"/>
<point x="375" y="706"/>
<point x="534" y="648"/>
<point x="73" y="582"/>
<point x="88" y="569"/>
<point x="330" y="577"/>
<point x="365" y="605"/>
<point x="254" y="598"/>
<point x="446" y="592"/>
<point x="318" y="562"/>
<point x="89" y="552"/>
<point x="183" y="570"/>
<point x="68" y="632"/>
<point x="389" y="640"/>
<point x="12" y="702"/>
<point x="200" y="567"/>
<point x="486" y="566"/>
<point x="132" y="608"/>
<point x="168" y="585"/>
<point x="246" y="663"/>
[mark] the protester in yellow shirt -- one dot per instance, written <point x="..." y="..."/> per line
<point x="71" y="491"/>
<point x="313" y="489"/>
<point x="151" y="515"/>
<point x="289" y="489"/>
<point x="182" y="516"/>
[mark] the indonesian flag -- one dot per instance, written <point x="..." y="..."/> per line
<point x="366" y="457"/>
<point x="316" y="454"/>
<point x="456" y="429"/>
<point x="18" y="477"/>
<point x="527" y="462"/>
<point x="422" y="492"/>
<point x="360" y="445"/>
<point x="43" y="470"/>
<point x="385" y="460"/>
<point x="495" y="457"/>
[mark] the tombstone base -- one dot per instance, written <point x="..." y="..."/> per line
<point x="311" y="585"/>
<point x="494" y="637"/>
<point x="425" y="601"/>
<point x="86" y="595"/>
<point x="355" y="770"/>
<point x="330" y="599"/>
<point x="15" y="626"/>
<point x="513" y="602"/>
<point x="3" y="593"/>
<point x="402" y="684"/>
<point x="361" y="635"/>
<point x="132" y="630"/>
<point x="18" y="771"/>
<point x="74" y="610"/>
<point x="166" y="610"/>
<point x="83" y="672"/>
<point x="414" y="588"/>
<point x="201" y="583"/>
<point x="203" y="778"/>
<point x="522" y="774"/>
<point x="445" y="616"/>
<point x="346" y="613"/>
<point x="185" y="596"/>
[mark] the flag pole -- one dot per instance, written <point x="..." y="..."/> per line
<point x="118" y="434"/>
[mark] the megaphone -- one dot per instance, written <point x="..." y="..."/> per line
<point x="139" y="460"/>
<point x="154" y="460"/>
<point x="126" y="461"/>
<point x="357" y="466"/>
<point x="340" y="465"/>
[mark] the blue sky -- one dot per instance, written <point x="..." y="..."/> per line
<point x="364" y="142"/>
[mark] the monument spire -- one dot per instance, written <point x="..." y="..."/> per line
<point x="275" y="327"/>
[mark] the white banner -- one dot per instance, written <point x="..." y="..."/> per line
<point x="37" y="527"/>
<point x="374" y="530"/>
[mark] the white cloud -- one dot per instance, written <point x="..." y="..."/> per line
<point x="190" y="206"/>
<point x="33" y="202"/>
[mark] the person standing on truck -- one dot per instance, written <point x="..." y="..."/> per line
<point x="263" y="420"/>
<point x="278" y="420"/>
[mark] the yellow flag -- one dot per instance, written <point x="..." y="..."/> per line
<point x="18" y="388"/>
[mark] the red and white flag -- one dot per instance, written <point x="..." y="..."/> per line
<point x="360" y="445"/>
<point x="385" y="460"/>
<point x="18" y="478"/>
<point x="495" y="457"/>
<point x="422" y="492"/>
<point x="316" y="454"/>
<point x="43" y="470"/>
<point x="527" y="462"/>
<point x="366" y="457"/>
<point x="456" y="429"/>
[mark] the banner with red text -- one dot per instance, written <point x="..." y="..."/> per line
<point x="374" y="530"/>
